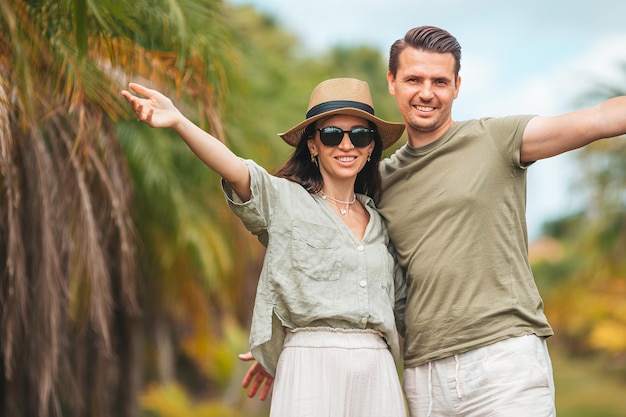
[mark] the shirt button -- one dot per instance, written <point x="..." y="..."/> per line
<point x="363" y="283"/>
<point x="360" y="248"/>
<point x="364" y="320"/>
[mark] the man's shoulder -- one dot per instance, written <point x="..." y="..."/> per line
<point x="512" y="120"/>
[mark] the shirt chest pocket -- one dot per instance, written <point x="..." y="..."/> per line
<point x="315" y="251"/>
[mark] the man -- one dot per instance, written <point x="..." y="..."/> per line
<point x="454" y="200"/>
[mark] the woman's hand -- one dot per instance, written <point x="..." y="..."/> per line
<point x="156" y="110"/>
<point x="257" y="376"/>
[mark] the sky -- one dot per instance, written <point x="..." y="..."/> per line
<point x="518" y="57"/>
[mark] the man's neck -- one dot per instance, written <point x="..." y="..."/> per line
<point x="419" y="138"/>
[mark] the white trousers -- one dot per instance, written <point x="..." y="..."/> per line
<point x="336" y="373"/>
<point x="511" y="378"/>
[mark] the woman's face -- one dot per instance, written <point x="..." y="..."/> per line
<point x="345" y="160"/>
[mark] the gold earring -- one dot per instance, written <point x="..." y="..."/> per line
<point x="314" y="159"/>
<point x="369" y="157"/>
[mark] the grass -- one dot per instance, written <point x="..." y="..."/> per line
<point x="585" y="388"/>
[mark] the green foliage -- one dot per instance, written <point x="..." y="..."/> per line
<point x="585" y="289"/>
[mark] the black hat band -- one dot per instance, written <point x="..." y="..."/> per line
<point x="338" y="104"/>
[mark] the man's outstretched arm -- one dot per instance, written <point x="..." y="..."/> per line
<point x="547" y="136"/>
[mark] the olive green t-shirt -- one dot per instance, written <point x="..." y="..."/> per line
<point x="455" y="211"/>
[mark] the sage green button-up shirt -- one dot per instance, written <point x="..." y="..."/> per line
<point x="316" y="272"/>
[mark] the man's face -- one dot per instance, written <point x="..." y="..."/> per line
<point x="424" y="88"/>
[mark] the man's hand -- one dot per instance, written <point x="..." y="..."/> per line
<point x="257" y="376"/>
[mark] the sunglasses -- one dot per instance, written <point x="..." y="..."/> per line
<point x="359" y="136"/>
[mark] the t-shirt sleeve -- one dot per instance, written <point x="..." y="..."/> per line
<point x="507" y="133"/>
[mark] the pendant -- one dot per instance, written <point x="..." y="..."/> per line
<point x="343" y="211"/>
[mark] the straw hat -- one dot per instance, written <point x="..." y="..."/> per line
<point x="347" y="96"/>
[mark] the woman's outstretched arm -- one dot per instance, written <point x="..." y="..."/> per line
<point x="157" y="110"/>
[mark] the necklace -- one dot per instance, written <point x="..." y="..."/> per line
<point x="343" y="211"/>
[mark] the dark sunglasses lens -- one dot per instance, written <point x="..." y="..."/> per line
<point x="361" y="137"/>
<point x="331" y="136"/>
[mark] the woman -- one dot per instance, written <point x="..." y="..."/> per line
<point x="323" y="322"/>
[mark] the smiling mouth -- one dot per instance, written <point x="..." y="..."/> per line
<point x="424" y="108"/>
<point x="346" y="158"/>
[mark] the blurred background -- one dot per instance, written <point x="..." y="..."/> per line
<point x="126" y="285"/>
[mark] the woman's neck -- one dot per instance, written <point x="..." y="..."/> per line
<point x="341" y="192"/>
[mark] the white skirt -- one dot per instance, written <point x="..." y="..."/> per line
<point x="325" y="372"/>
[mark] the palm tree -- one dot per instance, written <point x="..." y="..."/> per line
<point x="69" y="311"/>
